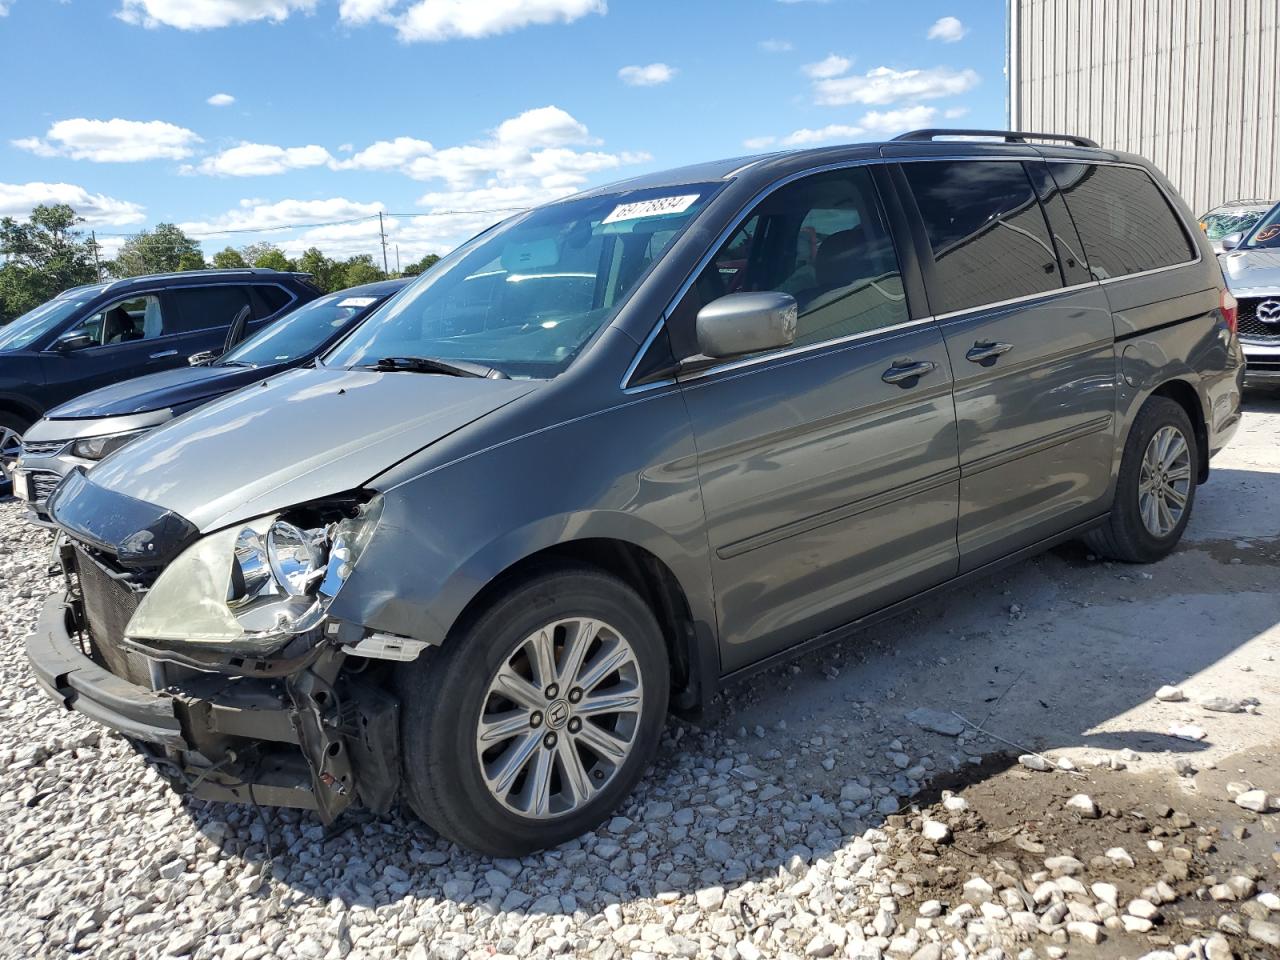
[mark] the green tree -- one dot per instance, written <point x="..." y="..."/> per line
<point x="421" y="266"/>
<point x="360" y="269"/>
<point x="326" y="273"/>
<point x="162" y="250"/>
<point x="266" y="255"/>
<point x="229" y="258"/>
<point x="43" y="256"/>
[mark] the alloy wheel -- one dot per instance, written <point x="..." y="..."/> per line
<point x="559" y="718"/>
<point x="10" y="450"/>
<point x="1164" y="481"/>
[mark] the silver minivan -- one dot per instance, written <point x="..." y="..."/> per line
<point x="631" y="446"/>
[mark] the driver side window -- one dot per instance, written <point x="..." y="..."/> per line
<point x="137" y="318"/>
<point x="824" y="240"/>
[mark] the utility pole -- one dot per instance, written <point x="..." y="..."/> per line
<point x="383" y="234"/>
<point x="397" y="258"/>
<point x="93" y="241"/>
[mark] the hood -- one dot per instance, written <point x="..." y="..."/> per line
<point x="180" y="387"/>
<point x="301" y="435"/>
<point x="1252" y="272"/>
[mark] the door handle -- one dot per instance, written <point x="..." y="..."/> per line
<point x="164" y="353"/>
<point x="987" y="352"/>
<point x="906" y="373"/>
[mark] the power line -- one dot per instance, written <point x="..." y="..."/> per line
<point x="333" y="223"/>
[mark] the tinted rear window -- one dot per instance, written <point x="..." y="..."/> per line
<point x="201" y="308"/>
<point x="989" y="237"/>
<point x="272" y="297"/>
<point x="1124" y="219"/>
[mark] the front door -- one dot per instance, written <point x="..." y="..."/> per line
<point x="829" y="470"/>
<point x="1032" y="350"/>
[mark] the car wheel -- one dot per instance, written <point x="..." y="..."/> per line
<point x="12" y="427"/>
<point x="1155" y="489"/>
<point x="537" y="716"/>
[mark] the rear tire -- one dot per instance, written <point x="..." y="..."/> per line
<point x="508" y="775"/>
<point x="1156" y="487"/>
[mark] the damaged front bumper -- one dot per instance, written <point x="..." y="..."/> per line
<point x="321" y="738"/>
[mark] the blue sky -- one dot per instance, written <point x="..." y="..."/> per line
<point x="331" y="110"/>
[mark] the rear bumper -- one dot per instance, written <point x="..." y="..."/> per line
<point x="235" y="739"/>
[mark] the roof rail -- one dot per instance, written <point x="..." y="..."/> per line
<point x="1008" y="136"/>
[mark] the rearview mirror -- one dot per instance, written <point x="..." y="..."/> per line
<point x="75" y="340"/>
<point x="1231" y="241"/>
<point x="742" y="323"/>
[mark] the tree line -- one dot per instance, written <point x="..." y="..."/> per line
<point x="48" y="253"/>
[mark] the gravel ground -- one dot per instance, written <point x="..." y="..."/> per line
<point x="822" y="815"/>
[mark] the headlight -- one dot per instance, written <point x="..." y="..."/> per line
<point x="96" y="448"/>
<point x="251" y="588"/>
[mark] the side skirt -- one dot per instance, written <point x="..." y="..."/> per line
<point x="884" y="613"/>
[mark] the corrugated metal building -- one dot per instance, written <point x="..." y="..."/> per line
<point x="1192" y="84"/>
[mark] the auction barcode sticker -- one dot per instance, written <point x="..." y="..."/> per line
<point x="657" y="207"/>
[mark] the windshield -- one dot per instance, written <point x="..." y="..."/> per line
<point x="1222" y="223"/>
<point x="32" y="325"/>
<point x="1266" y="233"/>
<point x="298" y="333"/>
<point x="525" y="297"/>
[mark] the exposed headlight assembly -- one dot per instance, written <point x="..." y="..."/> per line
<point x="96" y="448"/>
<point x="249" y="589"/>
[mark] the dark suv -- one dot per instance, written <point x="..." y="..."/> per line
<point x="91" y="336"/>
<point x="630" y="446"/>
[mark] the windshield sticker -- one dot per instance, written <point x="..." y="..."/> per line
<point x="357" y="301"/>
<point x="658" y="207"/>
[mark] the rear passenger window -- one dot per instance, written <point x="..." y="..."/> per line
<point x="988" y="234"/>
<point x="824" y="240"/>
<point x="200" y="308"/>
<point x="1123" y="218"/>
<point x="270" y="300"/>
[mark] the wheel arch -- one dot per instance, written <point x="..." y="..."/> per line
<point x="19" y="406"/>
<point x="1186" y="396"/>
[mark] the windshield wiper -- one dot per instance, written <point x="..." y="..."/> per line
<point x="452" y="368"/>
<point x="236" y="363"/>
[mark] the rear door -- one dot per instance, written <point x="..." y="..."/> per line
<point x="204" y="315"/>
<point x="1032" y="351"/>
<point x="828" y="470"/>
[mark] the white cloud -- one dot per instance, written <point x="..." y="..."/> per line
<point x="896" y="121"/>
<point x="221" y="100"/>
<point x="17" y="199"/>
<point x="948" y="30"/>
<point x="435" y="20"/>
<point x="776" y="46"/>
<point x="112" y="141"/>
<point x="385" y="154"/>
<point x="830" y="66"/>
<point x="4" y="9"/>
<point x="260" y="215"/>
<point x="208" y="14"/>
<point x="954" y="113"/>
<point x="365" y="11"/>
<point x="543" y="127"/>
<point x="827" y="134"/>
<point x="652" y="75"/>
<point x="759" y="143"/>
<point x="260" y="160"/>
<point x="884" y="85"/>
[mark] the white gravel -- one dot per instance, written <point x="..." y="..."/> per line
<point x="763" y="836"/>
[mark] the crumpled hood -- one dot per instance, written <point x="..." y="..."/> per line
<point x="179" y="387"/>
<point x="1252" y="272"/>
<point x="304" y="434"/>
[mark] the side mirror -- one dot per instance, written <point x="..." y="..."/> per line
<point x="203" y="358"/>
<point x="742" y="323"/>
<point x="1231" y="241"/>
<point x="73" y="341"/>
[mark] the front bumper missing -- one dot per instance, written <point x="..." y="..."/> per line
<point x="319" y="739"/>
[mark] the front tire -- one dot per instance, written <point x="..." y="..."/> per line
<point x="1156" y="487"/>
<point x="12" y="427"/>
<point x="537" y="716"/>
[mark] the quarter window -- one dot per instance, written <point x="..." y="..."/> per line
<point x="1123" y="218"/>
<point x="822" y="239"/>
<point x="138" y="318"/>
<point x="988" y="234"/>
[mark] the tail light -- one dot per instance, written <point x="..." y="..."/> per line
<point x="1230" y="310"/>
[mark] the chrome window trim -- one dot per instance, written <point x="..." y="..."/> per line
<point x="868" y="161"/>
<point x="789" y="352"/>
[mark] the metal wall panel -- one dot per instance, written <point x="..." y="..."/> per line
<point x="1194" y="85"/>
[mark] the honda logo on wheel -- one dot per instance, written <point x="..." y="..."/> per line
<point x="1269" y="311"/>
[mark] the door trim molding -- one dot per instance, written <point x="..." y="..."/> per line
<point x="836" y="514"/>
<point x="1031" y="447"/>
